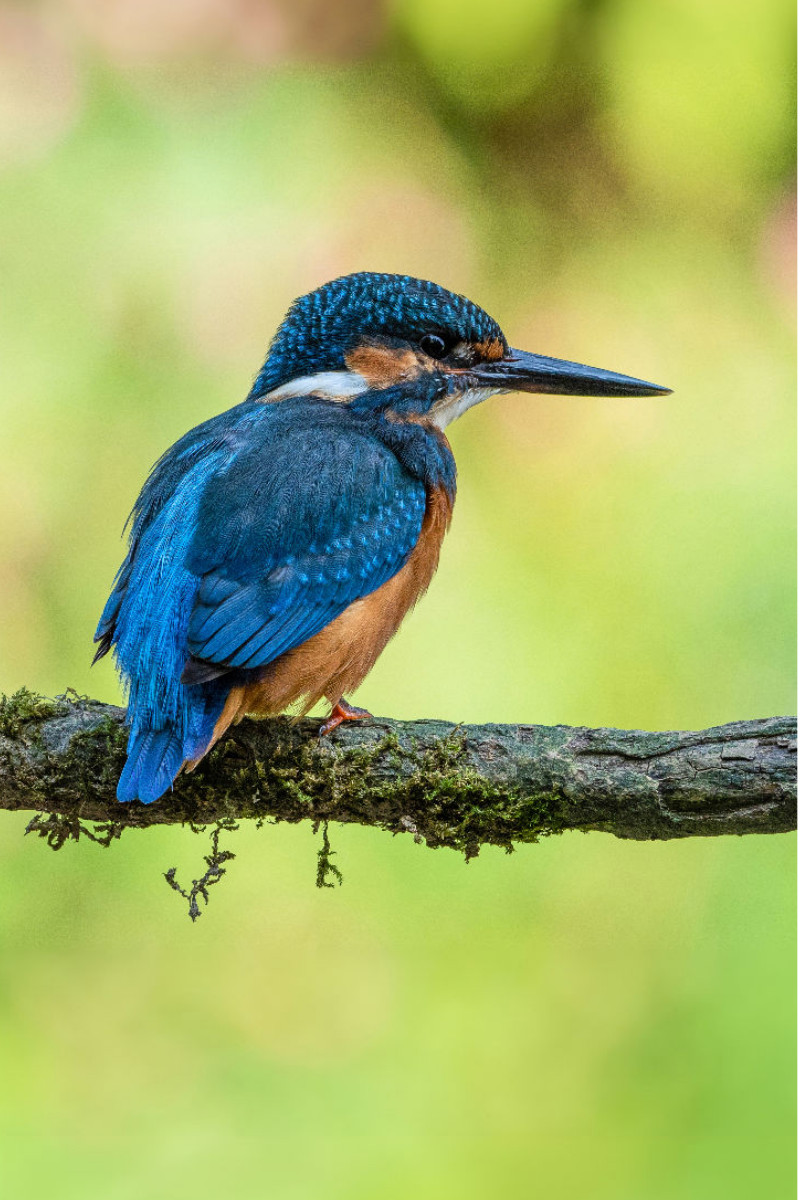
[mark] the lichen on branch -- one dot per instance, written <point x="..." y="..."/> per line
<point x="462" y="786"/>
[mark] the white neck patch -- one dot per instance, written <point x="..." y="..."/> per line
<point x="342" y="386"/>
<point x="450" y="408"/>
<point x="329" y="385"/>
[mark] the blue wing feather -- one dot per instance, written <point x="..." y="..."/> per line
<point x="147" y="614"/>
<point x="350" y="515"/>
<point x="253" y="532"/>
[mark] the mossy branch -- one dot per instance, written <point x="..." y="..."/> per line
<point x="461" y="786"/>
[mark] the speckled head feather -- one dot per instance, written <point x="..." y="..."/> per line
<point x="323" y="326"/>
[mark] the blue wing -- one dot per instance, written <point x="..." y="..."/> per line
<point x="252" y="533"/>
<point x="147" y="614"/>
<point x="292" y="533"/>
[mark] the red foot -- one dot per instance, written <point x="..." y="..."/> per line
<point x="342" y="711"/>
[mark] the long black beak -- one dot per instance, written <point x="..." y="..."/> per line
<point x="523" y="372"/>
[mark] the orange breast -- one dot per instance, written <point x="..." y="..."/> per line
<point x="335" y="661"/>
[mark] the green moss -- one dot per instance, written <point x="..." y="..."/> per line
<point x="215" y="862"/>
<point x="23" y="708"/>
<point x="57" y="829"/>
<point x="81" y="771"/>
<point x="268" y="771"/>
<point x="457" y="807"/>
<point x="326" y="870"/>
<point x="94" y="756"/>
<point x="434" y="793"/>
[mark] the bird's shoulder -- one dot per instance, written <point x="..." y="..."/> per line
<point x="314" y="514"/>
<point x="311" y="475"/>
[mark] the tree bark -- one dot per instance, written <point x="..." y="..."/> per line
<point x="461" y="786"/>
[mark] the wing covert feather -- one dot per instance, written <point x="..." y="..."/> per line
<point x="292" y="533"/>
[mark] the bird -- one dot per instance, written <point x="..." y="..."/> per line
<point x="275" y="549"/>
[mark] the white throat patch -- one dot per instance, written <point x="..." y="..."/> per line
<point x="342" y="386"/>
<point x="328" y="385"/>
<point x="450" y="408"/>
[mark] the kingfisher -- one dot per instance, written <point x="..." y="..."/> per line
<point x="275" y="549"/>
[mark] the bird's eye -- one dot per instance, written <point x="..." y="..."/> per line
<point x="434" y="345"/>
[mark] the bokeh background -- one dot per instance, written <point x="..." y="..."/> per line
<point x="613" y="181"/>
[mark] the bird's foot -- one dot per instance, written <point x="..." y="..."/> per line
<point x="342" y="711"/>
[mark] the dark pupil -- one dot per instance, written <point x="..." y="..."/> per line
<point x="432" y="344"/>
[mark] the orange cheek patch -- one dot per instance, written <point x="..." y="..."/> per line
<point x="385" y="366"/>
<point x="491" y="350"/>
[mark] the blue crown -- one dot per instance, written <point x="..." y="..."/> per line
<point x="321" y="327"/>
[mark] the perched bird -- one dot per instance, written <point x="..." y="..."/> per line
<point x="275" y="549"/>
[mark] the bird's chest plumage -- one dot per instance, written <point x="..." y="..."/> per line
<point x="335" y="661"/>
<point x="422" y="449"/>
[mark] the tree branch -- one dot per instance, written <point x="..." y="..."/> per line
<point x="462" y="786"/>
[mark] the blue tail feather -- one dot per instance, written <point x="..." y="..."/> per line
<point x="146" y="619"/>
<point x="155" y="756"/>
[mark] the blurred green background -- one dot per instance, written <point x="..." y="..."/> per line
<point x="612" y="180"/>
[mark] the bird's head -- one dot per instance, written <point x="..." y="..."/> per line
<point x="414" y="349"/>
